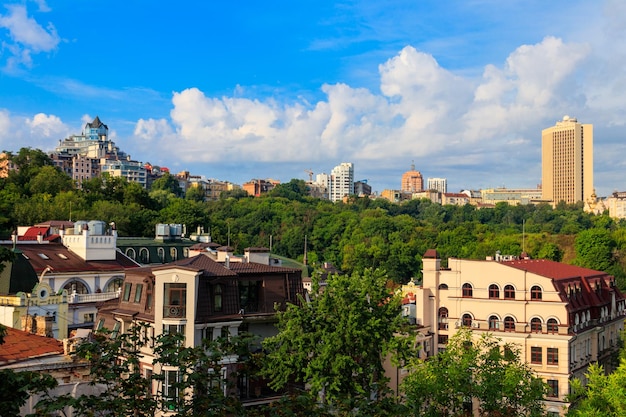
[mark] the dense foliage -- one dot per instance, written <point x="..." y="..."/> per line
<point x="359" y="234"/>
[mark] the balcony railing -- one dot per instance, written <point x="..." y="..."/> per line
<point x="173" y="311"/>
<point x="75" y="298"/>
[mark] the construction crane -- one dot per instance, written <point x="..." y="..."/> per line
<point x="308" y="171"/>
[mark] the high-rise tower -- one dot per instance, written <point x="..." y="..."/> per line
<point x="341" y="181"/>
<point x="412" y="181"/>
<point x="567" y="161"/>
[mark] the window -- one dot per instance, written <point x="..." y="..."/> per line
<point x="509" y="324"/>
<point x="161" y="254"/>
<point x="217" y="298"/>
<point x="443" y="286"/>
<point x="553" y="388"/>
<point x="553" y="326"/>
<point x="442" y="339"/>
<point x="114" y="285"/>
<point x="535" y="293"/>
<point x="494" y="291"/>
<point x="466" y="320"/>
<point x="149" y="297"/>
<point x="170" y="390"/>
<point x="127" y="288"/>
<point x="88" y="318"/>
<point x="175" y="300"/>
<point x="494" y="323"/>
<point x="552" y="356"/>
<point x="249" y="296"/>
<point x="144" y="256"/>
<point x="100" y="324"/>
<point x="536" y="355"/>
<point x="174" y="254"/>
<point x="468" y="291"/>
<point x="535" y="325"/>
<point x="443" y="318"/>
<point x="174" y="329"/>
<point x="116" y="330"/>
<point x="509" y="292"/>
<point x="138" y="291"/>
<point x="76" y="286"/>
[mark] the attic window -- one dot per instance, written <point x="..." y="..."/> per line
<point x="43" y="256"/>
<point x="62" y="256"/>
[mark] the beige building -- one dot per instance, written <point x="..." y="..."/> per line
<point x="511" y="196"/>
<point x="563" y="317"/>
<point x="567" y="161"/>
<point x="412" y="181"/>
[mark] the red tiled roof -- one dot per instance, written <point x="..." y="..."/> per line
<point x="552" y="269"/>
<point x="61" y="259"/>
<point x="20" y="346"/>
<point x="200" y="263"/>
<point x="32" y="233"/>
<point x="256" y="268"/>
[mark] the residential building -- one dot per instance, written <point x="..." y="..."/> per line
<point x="341" y="182"/>
<point x="438" y="184"/>
<point x="395" y="196"/>
<point x="616" y="204"/>
<point x="208" y="295"/>
<point x="24" y="351"/>
<point x="72" y="270"/>
<point x="562" y="317"/>
<point x="6" y="165"/>
<point x="432" y="195"/>
<point x="412" y="181"/>
<point x="511" y="196"/>
<point x="257" y="187"/>
<point x="362" y="188"/>
<point x="567" y="161"/>
<point x="454" y="199"/>
<point x="168" y="245"/>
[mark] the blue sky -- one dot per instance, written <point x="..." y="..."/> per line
<point x="247" y="89"/>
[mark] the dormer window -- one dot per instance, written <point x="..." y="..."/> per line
<point x="535" y="293"/>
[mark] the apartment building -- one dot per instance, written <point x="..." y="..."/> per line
<point x="562" y="317"/>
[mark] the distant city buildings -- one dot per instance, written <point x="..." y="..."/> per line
<point x="257" y="187"/>
<point x="567" y="161"/>
<point x="341" y="182"/>
<point x="438" y="184"/>
<point x="412" y="181"/>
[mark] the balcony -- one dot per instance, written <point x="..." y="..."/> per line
<point x="75" y="298"/>
<point x="173" y="311"/>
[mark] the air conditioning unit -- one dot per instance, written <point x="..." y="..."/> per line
<point x="475" y="324"/>
<point x="457" y="324"/>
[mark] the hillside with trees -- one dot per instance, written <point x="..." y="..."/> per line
<point x="361" y="233"/>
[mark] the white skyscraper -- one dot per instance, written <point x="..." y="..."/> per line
<point x="341" y="182"/>
<point x="439" y="184"/>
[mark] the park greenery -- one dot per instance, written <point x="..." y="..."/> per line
<point x="358" y="234"/>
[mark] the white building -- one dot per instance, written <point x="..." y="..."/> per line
<point x="341" y="181"/>
<point x="439" y="184"/>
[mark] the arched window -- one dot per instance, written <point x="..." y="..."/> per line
<point x="130" y="252"/>
<point x="161" y="254"/>
<point x="494" y="291"/>
<point x="443" y="318"/>
<point x="494" y="323"/>
<point x="466" y="320"/>
<point x="535" y="324"/>
<point x="174" y="254"/>
<point x="144" y="256"/>
<point x="443" y="286"/>
<point x="76" y="286"/>
<point x="553" y="326"/>
<point x="114" y="285"/>
<point x="468" y="291"/>
<point x="217" y="298"/>
<point x="509" y="324"/>
<point x="535" y="293"/>
<point x="509" y="292"/>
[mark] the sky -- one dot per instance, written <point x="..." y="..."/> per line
<point x="247" y="89"/>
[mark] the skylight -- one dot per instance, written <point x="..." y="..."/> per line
<point x="43" y="256"/>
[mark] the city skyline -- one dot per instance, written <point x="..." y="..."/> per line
<point x="236" y="92"/>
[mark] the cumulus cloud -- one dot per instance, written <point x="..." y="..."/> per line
<point x="25" y="35"/>
<point x="40" y="131"/>
<point x="422" y="110"/>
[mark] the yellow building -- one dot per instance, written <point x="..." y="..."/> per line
<point x="562" y="317"/>
<point x="567" y="161"/>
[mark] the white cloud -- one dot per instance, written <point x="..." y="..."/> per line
<point x="26" y="35"/>
<point x="41" y="131"/>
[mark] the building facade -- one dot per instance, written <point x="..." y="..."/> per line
<point x="341" y="182"/>
<point x="562" y="317"/>
<point x="412" y="181"/>
<point x="438" y="184"/>
<point x="567" y="161"/>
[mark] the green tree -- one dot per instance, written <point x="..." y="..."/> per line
<point x="474" y="369"/>
<point x="50" y="180"/>
<point x="594" y="249"/>
<point x="336" y="342"/>
<point x="603" y="395"/>
<point x="195" y="193"/>
<point x="169" y="183"/>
